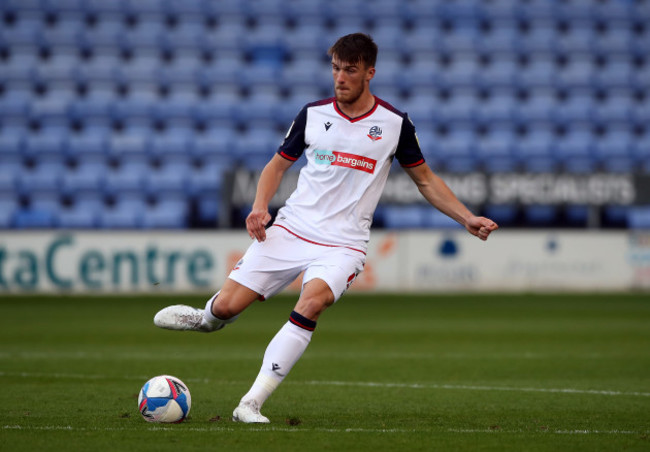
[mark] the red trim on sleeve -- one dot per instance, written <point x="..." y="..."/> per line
<point x="411" y="165"/>
<point x="287" y="156"/>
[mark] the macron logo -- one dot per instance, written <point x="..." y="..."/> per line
<point x="337" y="158"/>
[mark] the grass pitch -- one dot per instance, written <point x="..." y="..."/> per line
<point x="461" y="372"/>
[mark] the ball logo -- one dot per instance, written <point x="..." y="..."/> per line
<point x="337" y="158"/>
<point x="375" y="133"/>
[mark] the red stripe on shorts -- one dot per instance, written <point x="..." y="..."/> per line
<point x="316" y="243"/>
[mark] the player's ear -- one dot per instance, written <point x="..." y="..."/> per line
<point x="370" y="73"/>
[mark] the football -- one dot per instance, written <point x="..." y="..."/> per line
<point x="164" y="399"/>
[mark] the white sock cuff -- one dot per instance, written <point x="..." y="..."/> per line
<point x="207" y="313"/>
<point x="298" y="331"/>
<point x="210" y="317"/>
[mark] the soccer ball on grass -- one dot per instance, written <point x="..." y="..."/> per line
<point x="164" y="399"/>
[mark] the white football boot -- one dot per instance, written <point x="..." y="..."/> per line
<point x="249" y="413"/>
<point x="181" y="317"/>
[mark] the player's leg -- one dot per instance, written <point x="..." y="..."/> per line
<point x="323" y="284"/>
<point x="221" y="309"/>
<point x="263" y="271"/>
<point x="285" y="349"/>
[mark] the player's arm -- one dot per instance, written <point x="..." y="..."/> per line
<point x="266" y="188"/>
<point x="439" y="195"/>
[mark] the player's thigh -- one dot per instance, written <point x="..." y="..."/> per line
<point x="315" y="297"/>
<point x="338" y="268"/>
<point x="232" y="299"/>
<point x="270" y="266"/>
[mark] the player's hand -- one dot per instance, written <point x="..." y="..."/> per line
<point x="256" y="224"/>
<point x="481" y="227"/>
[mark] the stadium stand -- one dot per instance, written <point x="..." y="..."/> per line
<point x="128" y="113"/>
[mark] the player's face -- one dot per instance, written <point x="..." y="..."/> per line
<point x="350" y="80"/>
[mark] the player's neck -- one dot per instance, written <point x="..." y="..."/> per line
<point x="359" y="107"/>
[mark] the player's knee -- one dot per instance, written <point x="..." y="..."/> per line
<point x="223" y="308"/>
<point x="313" y="307"/>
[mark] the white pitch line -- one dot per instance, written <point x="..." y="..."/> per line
<point x="366" y="384"/>
<point x="303" y="429"/>
<point x="475" y="388"/>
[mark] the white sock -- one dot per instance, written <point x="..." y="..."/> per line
<point x="284" y="350"/>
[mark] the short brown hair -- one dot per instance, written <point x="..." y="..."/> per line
<point x="354" y="48"/>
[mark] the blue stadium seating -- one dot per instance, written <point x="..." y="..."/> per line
<point x="403" y="217"/>
<point x="639" y="217"/>
<point x="100" y="98"/>
<point x="34" y="219"/>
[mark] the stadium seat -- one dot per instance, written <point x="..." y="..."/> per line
<point x="579" y="107"/>
<point x="12" y="141"/>
<point x="92" y="141"/>
<point x="616" y="74"/>
<point x="15" y="104"/>
<point x="461" y="107"/>
<point x="104" y="67"/>
<point x="218" y="142"/>
<point x="616" y="108"/>
<point x="220" y="105"/>
<point x="577" y="144"/>
<point x="166" y="215"/>
<point x="457" y="150"/>
<point x="403" y="217"/>
<point x="174" y="142"/>
<point x="540" y="106"/>
<point x="433" y="218"/>
<point x="502" y="214"/>
<point x="260" y="105"/>
<point x="8" y="208"/>
<point x="499" y="107"/>
<point x="257" y="142"/>
<point x="8" y="181"/>
<point x="615" y="216"/>
<point x="120" y="219"/>
<point x="500" y="73"/>
<point x="541" y="215"/>
<point x="208" y="211"/>
<point x="577" y="215"/>
<point x="50" y="141"/>
<point x="34" y="219"/>
<point x="540" y="38"/>
<point x="423" y="110"/>
<point x="42" y="178"/>
<point x="421" y="40"/>
<point x="98" y="103"/>
<point x="641" y="151"/>
<point x="167" y="182"/>
<point x="541" y="71"/>
<point x="638" y="217"/>
<point x="128" y="178"/>
<point x="463" y="72"/>
<point x="20" y="67"/>
<point x="615" y="149"/>
<point x="77" y="218"/>
<point x="85" y="178"/>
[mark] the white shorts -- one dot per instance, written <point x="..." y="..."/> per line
<point x="270" y="266"/>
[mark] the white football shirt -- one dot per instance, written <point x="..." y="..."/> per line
<point x="348" y="160"/>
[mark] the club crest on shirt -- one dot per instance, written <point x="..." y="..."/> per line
<point x="374" y="133"/>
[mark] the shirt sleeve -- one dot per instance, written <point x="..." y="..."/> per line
<point x="294" y="144"/>
<point x="408" y="152"/>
